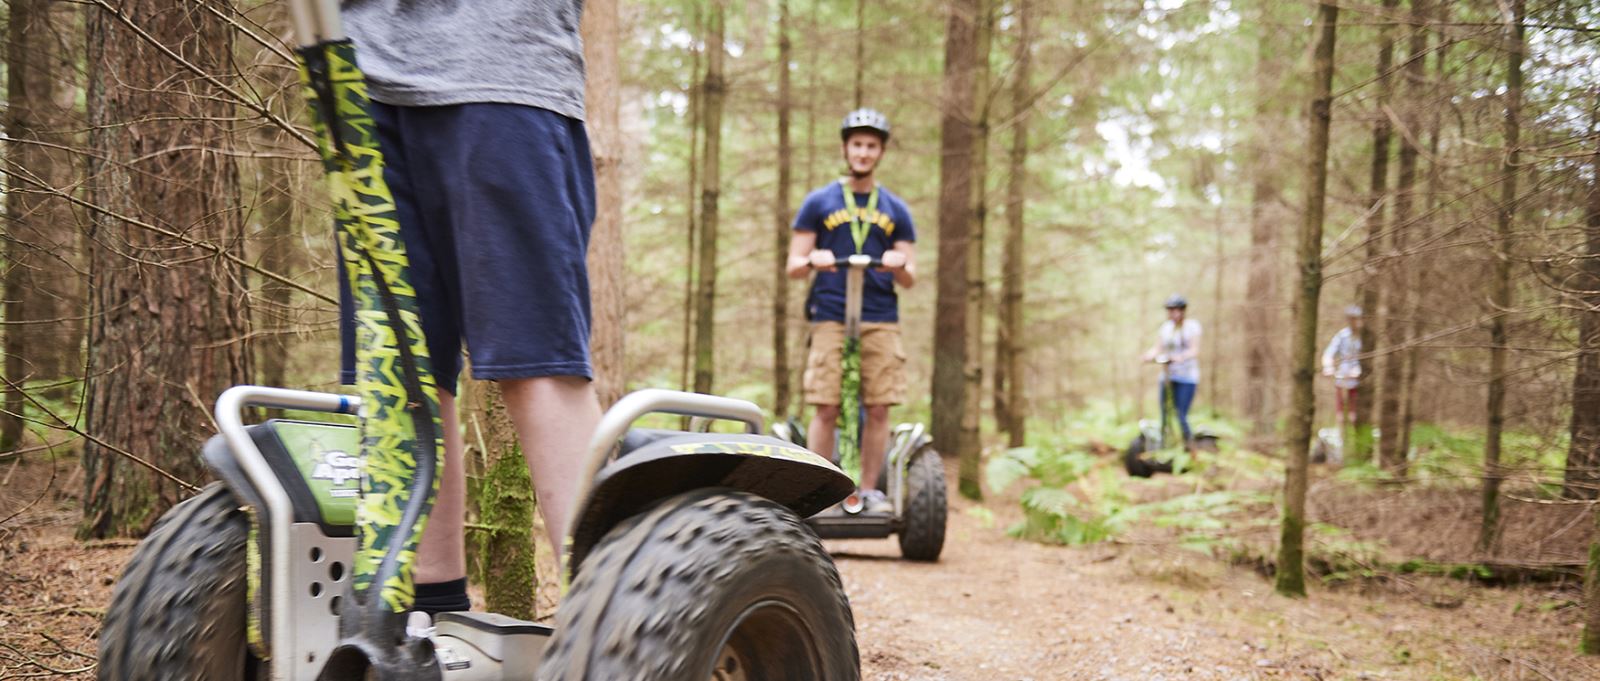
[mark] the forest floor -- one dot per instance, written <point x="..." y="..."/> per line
<point x="993" y="607"/>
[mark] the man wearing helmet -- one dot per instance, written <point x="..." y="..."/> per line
<point x="1342" y="362"/>
<point x="851" y="216"/>
<point x="1178" y="346"/>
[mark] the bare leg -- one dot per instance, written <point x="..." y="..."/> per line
<point x="442" y="553"/>
<point x="874" y="442"/>
<point x="819" y="436"/>
<point x="554" y="417"/>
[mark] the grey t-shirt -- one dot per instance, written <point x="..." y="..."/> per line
<point x="439" y="52"/>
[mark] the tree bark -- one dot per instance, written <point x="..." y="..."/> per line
<point x="168" y="318"/>
<point x="955" y="220"/>
<point x="1416" y="273"/>
<point x="1582" y="479"/>
<point x="42" y="282"/>
<point x="706" y="288"/>
<point x="1262" y="296"/>
<point x="1291" y="556"/>
<point x="972" y="417"/>
<point x="505" y="502"/>
<point x="691" y="216"/>
<point x="1500" y="281"/>
<point x="607" y="262"/>
<point x="781" y="231"/>
<point x="1371" y="290"/>
<point x="1009" y="409"/>
<point x="1397" y="319"/>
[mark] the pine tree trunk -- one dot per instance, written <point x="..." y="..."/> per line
<point x="505" y="503"/>
<point x="1262" y="296"/>
<point x="1397" y="321"/>
<point x="1291" y="556"/>
<point x="1371" y="290"/>
<point x="42" y="284"/>
<point x="972" y="416"/>
<point x="167" y="317"/>
<point x="955" y="219"/>
<point x="691" y="200"/>
<point x="1417" y="276"/>
<point x="706" y="281"/>
<point x="1500" y="282"/>
<point x="607" y="262"/>
<point x="781" y="231"/>
<point x="1582" y="479"/>
<point x="1009" y="410"/>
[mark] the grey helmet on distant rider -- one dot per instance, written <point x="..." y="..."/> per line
<point x="1177" y="301"/>
<point x="869" y="120"/>
<point x="1353" y="311"/>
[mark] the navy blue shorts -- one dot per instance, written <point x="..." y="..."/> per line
<point x="495" y="204"/>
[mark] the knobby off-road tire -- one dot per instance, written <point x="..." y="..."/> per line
<point x="710" y="584"/>
<point x="922" y="529"/>
<point x="178" y="612"/>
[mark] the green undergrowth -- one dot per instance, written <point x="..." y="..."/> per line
<point x="1453" y="456"/>
<point x="1072" y="495"/>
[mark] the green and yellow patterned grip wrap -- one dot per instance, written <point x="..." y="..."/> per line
<point x="400" y="429"/>
<point x="850" y="410"/>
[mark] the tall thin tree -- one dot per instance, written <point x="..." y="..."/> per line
<point x="956" y="137"/>
<point x="691" y="201"/>
<point x="781" y="217"/>
<point x="1582" y="477"/>
<point x="1262" y="298"/>
<point x="1514" y="18"/>
<point x="41" y="283"/>
<point x="1009" y="408"/>
<point x="1397" y="301"/>
<point x="1371" y="288"/>
<point x="601" y="35"/>
<point x="706" y="281"/>
<point x="1291" y="580"/>
<point x="972" y="417"/>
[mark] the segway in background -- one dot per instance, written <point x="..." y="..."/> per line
<point x="686" y="556"/>
<point x="1160" y="441"/>
<point x="913" y="473"/>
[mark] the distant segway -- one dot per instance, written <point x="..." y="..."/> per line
<point x="1149" y="452"/>
<point x="913" y="473"/>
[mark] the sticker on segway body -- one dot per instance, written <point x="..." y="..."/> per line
<point x="750" y="449"/>
<point x="339" y="468"/>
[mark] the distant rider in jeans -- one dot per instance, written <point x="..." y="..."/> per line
<point x="1178" y="343"/>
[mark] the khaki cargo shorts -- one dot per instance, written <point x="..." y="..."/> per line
<point x="883" y="364"/>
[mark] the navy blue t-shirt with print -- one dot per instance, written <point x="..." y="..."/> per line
<point x="824" y="212"/>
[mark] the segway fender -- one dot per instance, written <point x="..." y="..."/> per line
<point x="675" y="463"/>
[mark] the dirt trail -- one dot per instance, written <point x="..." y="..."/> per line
<point x="998" y="608"/>
<point x="992" y="608"/>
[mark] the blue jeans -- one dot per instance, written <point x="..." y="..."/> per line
<point x="1182" y="397"/>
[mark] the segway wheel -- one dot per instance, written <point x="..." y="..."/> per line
<point x="178" y="612"/>
<point x="710" y="584"/>
<point x="922" y="532"/>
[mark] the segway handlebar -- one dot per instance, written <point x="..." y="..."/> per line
<point x="856" y="261"/>
<point x="620" y="417"/>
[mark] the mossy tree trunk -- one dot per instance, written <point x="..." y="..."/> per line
<point x="505" y="504"/>
<point x="706" y="281"/>
<point x="1291" y="556"/>
<point x="1371" y="289"/>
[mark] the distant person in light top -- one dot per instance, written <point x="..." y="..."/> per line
<point x="1178" y="344"/>
<point x="1342" y="362"/>
<point x="877" y="223"/>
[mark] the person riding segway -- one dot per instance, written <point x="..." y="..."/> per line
<point x="304" y="562"/>
<point x="1177" y="352"/>
<point x="1341" y="361"/>
<point x="859" y="239"/>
